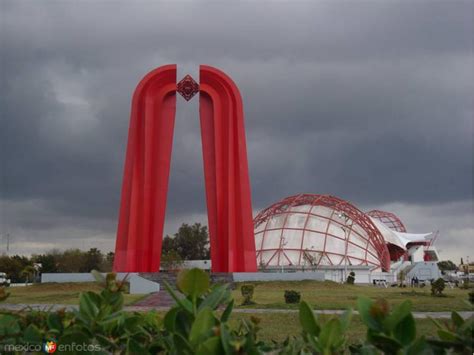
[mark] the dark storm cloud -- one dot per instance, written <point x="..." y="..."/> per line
<point x="368" y="101"/>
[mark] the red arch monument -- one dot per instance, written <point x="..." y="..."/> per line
<point x="147" y="166"/>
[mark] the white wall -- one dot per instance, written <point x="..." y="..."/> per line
<point x="76" y="277"/>
<point x="138" y="285"/>
<point x="416" y="254"/>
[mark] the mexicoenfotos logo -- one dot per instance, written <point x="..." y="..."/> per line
<point x="50" y="347"/>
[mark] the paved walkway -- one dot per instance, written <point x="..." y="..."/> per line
<point x="144" y="308"/>
<point x="156" y="300"/>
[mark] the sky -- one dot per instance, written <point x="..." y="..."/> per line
<point x="369" y="101"/>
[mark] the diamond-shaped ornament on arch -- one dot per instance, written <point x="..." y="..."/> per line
<point x="187" y="87"/>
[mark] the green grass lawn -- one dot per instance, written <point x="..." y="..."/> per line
<point x="278" y="326"/>
<point x="58" y="293"/>
<point x="322" y="295"/>
<point x="331" y="295"/>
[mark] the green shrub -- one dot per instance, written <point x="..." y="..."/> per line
<point x="247" y="294"/>
<point x="171" y="261"/>
<point x="351" y="278"/>
<point x="195" y="325"/>
<point x="471" y="297"/>
<point x="437" y="287"/>
<point x="292" y="296"/>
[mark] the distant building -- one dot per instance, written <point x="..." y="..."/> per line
<point x="310" y="231"/>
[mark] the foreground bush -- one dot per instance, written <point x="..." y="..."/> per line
<point x="198" y="324"/>
<point x="437" y="287"/>
<point x="351" y="278"/>
<point x="247" y="294"/>
<point x="292" y="296"/>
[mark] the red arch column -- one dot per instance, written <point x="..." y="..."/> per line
<point x="147" y="166"/>
<point x="226" y="173"/>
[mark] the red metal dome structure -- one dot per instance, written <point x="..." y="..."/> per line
<point x="319" y="230"/>
<point x="389" y="219"/>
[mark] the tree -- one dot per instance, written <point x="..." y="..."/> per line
<point x="446" y="265"/>
<point x="110" y="257"/>
<point x="13" y="266"/>
<point x="71" y="260"/>
<point x="49" y="262"/>
<point x="28" y="273"/>
<point x="437" y="287"/>
<point x="93" y="260"/>
<point x="191" y="242"/>
<point x="108" y="262"/>
<point x="171" y="261"/>
<point x="168" y="245"/>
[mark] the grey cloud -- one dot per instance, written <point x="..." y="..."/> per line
<point x="371" y="102"/>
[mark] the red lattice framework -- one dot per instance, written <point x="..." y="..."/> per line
<point x="339" y="207"/>
<point x="389" y="219"/>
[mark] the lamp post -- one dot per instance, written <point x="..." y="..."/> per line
<point x="467" y="258"/>
<point x="346" y="237"/>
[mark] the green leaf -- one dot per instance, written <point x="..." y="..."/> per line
<point x="458" y="321"/>
<point x="385" y="343"/>
<point x="439" y="346"/>
<point x="134" y="347"/>
<point x="436" y="323"/>
<point x="346" y="319"/>
<point x="112" y="318"/>
<point x="226" y="340"/>
<point x="32" y="335"/>
<point x="105" y="341"/>
<point x="74" y="337"/>
<point x="89" y="304"/>
<point x="9" y="324"/>
<point x="98" y="276"/>
<point x="398" y="314"/>
<point x="468" y="326"/>
<point x="227" y="312"/>
<point x="420" y="346"/>
<point x="330" y="334"/>
<point x="54" y="321"/>
<point x="169" y="321"/>
<point x="132" y="323"/>
<point x="184" y="322"/>
<point x="182" y="302"/>
<point x="308" y="320"/>
<point x="193" y="282"/>
<point x="363" y="305"/>
<point x="216" y="297"/>
<point x="405" y="331"/>
<point x="182" y="344"/>
<point x="446" y="335"/>
<point x="363" y="350"/>
<point x="210" y="346"/>
<point x="202" y="326"/>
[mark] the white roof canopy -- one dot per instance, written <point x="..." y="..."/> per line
<point x="397" y="238"/>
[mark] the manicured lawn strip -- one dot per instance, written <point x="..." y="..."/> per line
<point x="322" y="295"/>
<point x="331" y="295"/>
<point x="58" y="293"/>
<point x="278" y="326"/>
